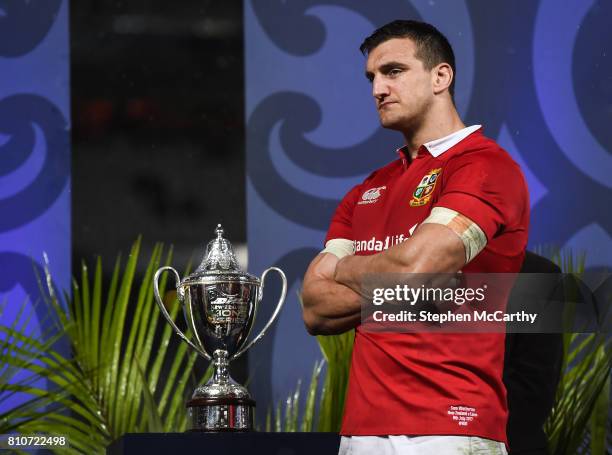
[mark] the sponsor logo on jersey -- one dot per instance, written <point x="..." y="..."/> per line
<point x="374" y="244"/>
<point x="423" y="192"/>
<point x="371" y="195"/>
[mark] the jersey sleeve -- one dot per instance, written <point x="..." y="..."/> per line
<point x="486" y="186"/>
<point x="341" y="226"/>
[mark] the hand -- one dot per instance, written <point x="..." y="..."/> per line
<point x="327" y="306"/>
<point x="327" y="265"/>
<point x="338" y="271"/>
<point x="347" y="271"/>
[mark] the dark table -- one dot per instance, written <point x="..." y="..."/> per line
<point x="226" y="443"/>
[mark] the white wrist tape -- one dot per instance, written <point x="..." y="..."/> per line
<point x="339" y="247"/>
<point x="473" y="238"/>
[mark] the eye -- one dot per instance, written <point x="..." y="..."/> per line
<point x="394" y="72"/>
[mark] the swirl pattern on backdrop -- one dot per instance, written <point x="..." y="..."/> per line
<point x="514" y="106"/>
<point x="18" y="116"/>
<point x="24" y="24"/>
<point x="34" y="153"/>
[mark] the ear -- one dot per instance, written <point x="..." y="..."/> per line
<point x="441" y="77"/>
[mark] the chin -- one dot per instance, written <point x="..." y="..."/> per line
<point x="391" y="124"/>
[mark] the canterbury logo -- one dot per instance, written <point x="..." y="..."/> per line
<point x="371" y="195"/>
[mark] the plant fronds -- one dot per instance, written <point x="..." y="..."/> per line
<point x="125" y="374"/>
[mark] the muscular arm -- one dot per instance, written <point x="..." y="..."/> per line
<point x="433" y="248"/>
<point x="328" y="307"/>
<point x="331" y="298"/>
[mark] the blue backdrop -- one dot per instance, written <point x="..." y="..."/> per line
<point x="536" y="74"/>
<point x="34" y="151"/>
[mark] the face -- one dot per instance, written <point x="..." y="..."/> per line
<point x="401" y="86"/>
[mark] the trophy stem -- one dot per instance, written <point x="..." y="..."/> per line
<point x="222" y="404"/>
<point x="221" y="367"/>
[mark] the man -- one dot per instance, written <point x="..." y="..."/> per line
<point x="462" y="204"/>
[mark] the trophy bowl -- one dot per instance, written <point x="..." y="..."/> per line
<point x="220" y="302"/>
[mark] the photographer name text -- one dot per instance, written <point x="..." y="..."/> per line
<point x="449" y="316"/>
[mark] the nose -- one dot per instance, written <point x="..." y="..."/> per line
<point x="380" y="89"/>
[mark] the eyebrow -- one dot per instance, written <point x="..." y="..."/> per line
<point x="385" y="68"/>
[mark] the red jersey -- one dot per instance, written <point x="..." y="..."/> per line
<point x="434" y="383"/>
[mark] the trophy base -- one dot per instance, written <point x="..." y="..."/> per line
<point x="221" y="414"/>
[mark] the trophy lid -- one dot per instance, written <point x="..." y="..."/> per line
<point x="220" y="261"/>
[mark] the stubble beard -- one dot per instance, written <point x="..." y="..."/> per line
<point x="402" y="123"/>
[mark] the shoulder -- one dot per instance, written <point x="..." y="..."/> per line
<point x="484" y="153"/>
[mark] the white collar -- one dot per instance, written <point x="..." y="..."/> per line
<point x="438" y="146"/>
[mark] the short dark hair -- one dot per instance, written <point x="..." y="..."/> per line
<point x="432" y="46"/>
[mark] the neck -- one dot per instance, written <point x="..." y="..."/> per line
<point x="439" y="121"/>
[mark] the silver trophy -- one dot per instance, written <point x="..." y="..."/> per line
<point x="220" y="302"/>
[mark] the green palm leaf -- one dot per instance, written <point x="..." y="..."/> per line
<point x="583" y="392"/>
<point x="337" y="350"/>
<point x="125" y="374"/>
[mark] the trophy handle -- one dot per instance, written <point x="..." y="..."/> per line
<point x="279" y="306"/>
<point x="161" y="306"/>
